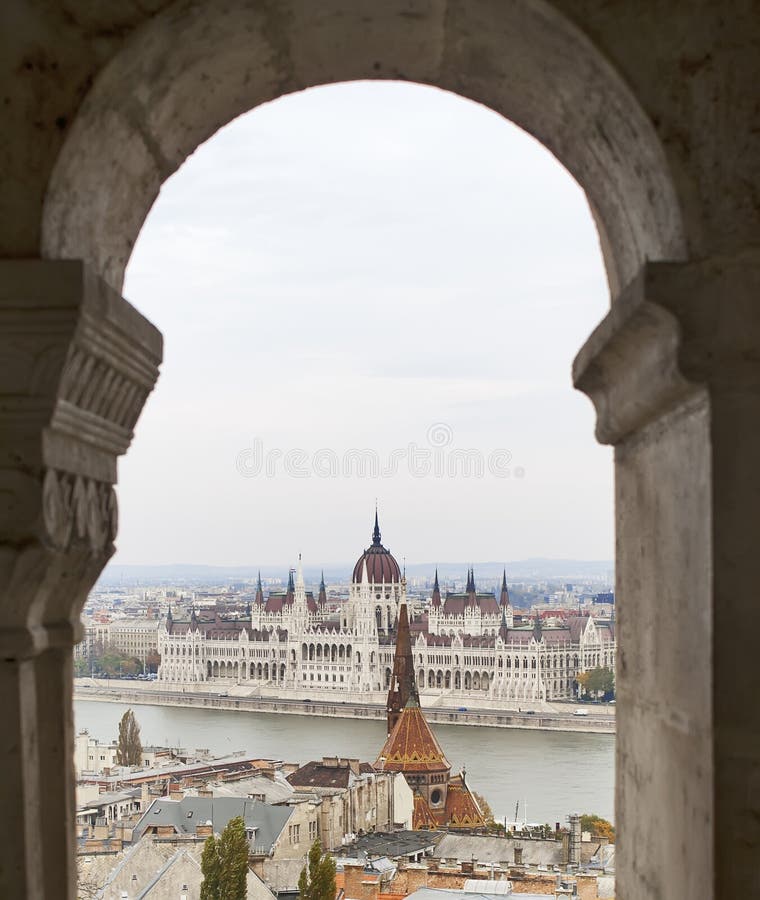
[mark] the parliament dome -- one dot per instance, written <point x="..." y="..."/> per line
<point x="382" y="567"/>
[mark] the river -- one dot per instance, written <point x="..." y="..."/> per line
<point x="553" y="773"/>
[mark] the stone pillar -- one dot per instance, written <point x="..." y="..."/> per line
<point x="674" y="373"/>
<point x="77" y="363"/>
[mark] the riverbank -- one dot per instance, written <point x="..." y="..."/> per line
<point x="548" y="718"/>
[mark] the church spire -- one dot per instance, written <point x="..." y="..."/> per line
<point x="259" y="590"/>
<point x="504" y="599"/>
<point x="403" y="686"/>
<point x="376" y="532"/>
<point x="436" y="590"/>
<point x="322" y="589"/>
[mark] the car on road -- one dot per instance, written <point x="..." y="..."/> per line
<point x="580" y="712"/>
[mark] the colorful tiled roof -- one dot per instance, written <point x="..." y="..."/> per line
<point x="462" y="810"/>
<point x="422" y="817"/>
<point x="412" y="746"/>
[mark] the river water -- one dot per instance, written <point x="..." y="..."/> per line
<point x="552" y="773"/>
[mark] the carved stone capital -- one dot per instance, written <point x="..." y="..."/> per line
<point x="677" y="329"/>
<point x="77" y="363"/>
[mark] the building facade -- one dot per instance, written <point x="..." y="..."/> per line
<point x="466" y="644"/>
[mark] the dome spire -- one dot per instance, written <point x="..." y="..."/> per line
<point x="376" y="532"/>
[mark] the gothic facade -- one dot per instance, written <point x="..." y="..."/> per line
<point x="466" y="646"/>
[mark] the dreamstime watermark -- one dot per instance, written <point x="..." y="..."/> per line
<point x="438" y="458"/>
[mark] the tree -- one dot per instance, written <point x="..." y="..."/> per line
<point x="129" y="750"/>
<point x="152" y="660"/>
<point x="600" y="680"/>
<point x="317" y="881"/>
<point x="598" y="826"/>
<point x="224" y="864"/>
<point x="211" y="869"/>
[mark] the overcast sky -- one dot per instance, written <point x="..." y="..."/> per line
<point x="367" y="266"/>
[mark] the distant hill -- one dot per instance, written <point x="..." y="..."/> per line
<point x="537" y="569"/>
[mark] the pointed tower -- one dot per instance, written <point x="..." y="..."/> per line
<point x="376" y="539"/>
<point x="259" y="591"/>
<point x="436" y="591"/>
<point x="300" y="607"/>
<point x="403" y="686"/>
<point x="504" y="627"/>
<point x="504" y="599"/>
<point x="322" y="590"/>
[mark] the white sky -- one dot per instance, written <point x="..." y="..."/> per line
<point x="345" y="268"/>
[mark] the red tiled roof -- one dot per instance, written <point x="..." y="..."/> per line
<point x="412" y="746"/>
<point x="422" y="817"/>
<point x="462" y="811"/>
<point x="454" y="604"/>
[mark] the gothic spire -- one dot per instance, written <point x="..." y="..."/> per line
<point x="503" y="629"/>
<point x="376" y="532"/>
<point x="322" y="589"/>
<point x="436" y="590"/>
<point x="403" y="686"/>
<point x="291" y="585"/>
<point x="504" y="599"/>
<point x="259" y="590"/>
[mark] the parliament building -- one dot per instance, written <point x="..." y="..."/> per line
<point x="465" y="646"/>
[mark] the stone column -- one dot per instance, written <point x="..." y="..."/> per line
<point x="674" y="373"/>
<point x="77" y="363"/>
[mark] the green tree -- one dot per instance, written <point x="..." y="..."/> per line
<point x="81" y="666"/>
<point x="317" y="881"/>
<point x="152" y="660"/>
<point x="600" y="680"/>
<point x="129" y="750"/>
<point x="224" y="864"/>
<point x="211" y="869"/>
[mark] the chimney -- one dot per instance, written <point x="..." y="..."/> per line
<point x="204" y="831"/>
<point x="353" y="875"/>
<point x="206" y="793"/>
<point x="574" y="845"/>
<point x="176" y="793"/>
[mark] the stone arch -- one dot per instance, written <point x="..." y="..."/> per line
<point x="183" y="75"/>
